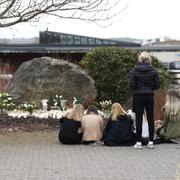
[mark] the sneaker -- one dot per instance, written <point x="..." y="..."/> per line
<point x="150" y="145"/>
<point x="138" y="145"/>
<point x="98" y="143"/>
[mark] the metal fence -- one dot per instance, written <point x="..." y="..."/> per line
<point x="176" y="76"/>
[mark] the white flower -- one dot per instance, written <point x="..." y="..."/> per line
<point x="106" y="104"/>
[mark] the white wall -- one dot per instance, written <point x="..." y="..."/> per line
<point x="166" y="56"/>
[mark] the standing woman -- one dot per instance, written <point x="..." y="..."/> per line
<point x="70" y="130"/>
<point x="171" y="124"/>
<point x="143" y="81"/>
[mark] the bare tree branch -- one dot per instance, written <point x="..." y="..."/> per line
<point x="17" y="11"/>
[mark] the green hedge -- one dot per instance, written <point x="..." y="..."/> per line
<point x="110" y="67"/>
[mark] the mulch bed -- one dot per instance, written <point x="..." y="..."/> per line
<point x="29" y="124"/>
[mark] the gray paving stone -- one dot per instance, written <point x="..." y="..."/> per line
<point x="39" y="156"/>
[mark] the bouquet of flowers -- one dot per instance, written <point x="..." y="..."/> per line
<point x="76" y="101"/>
<point x="6" y="102"/>
<point x="57" y="102"/>
<point x="27" y="107"/>
<point x="106" y="106"/>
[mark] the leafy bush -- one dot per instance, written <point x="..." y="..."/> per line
<point x="110" y="67"/>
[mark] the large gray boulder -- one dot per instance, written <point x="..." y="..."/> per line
<point x="42" y="78"/>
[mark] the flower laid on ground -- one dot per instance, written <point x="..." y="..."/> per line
<point x="44" y="103"/>
<point x="106" y="107"/>
<point x="39" y="113"/>
<point x="76" y="101"/>
<point x="56" y="102"/>
<point x="6" y="102"/>
<point x="27" y="107"/>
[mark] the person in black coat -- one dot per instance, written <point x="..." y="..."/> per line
<point x="119" y="128"/>
<point x="70" y="126"/>
<point x="143" y="81"/>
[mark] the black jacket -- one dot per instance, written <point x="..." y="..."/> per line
<point x="119" y="132"/>
<point x="69" y="128"/>
<point x="144" y="79"/>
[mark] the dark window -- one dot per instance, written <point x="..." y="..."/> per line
<point x="70" y="39"/>
<point x="77" y="40"/>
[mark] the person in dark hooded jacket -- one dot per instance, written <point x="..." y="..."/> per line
<point x="70" y="126"/>
<point x="119" y="129"/>
<point x="143" y="81"/>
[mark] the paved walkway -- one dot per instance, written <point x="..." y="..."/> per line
<point x="39" y="156"/>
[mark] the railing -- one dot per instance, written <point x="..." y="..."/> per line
<point x="174" y="69"/>
<point x="176" y="76"/>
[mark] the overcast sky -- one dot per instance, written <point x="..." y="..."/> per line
<point x="142" y="19"/>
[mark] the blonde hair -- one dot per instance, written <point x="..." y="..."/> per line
<point x="116" y="111"/>
<point x="76" y="113"/>
<point x="172" y="105"/>
<point x="144" y="57"/>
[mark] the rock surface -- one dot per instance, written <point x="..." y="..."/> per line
<point x="42" y="78"/>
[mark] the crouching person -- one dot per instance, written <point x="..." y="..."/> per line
<point x="70" y="130"/>
<point x="170" y="130"/>
<point x="92" y="126"/>
<point x="119" y="129"/>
